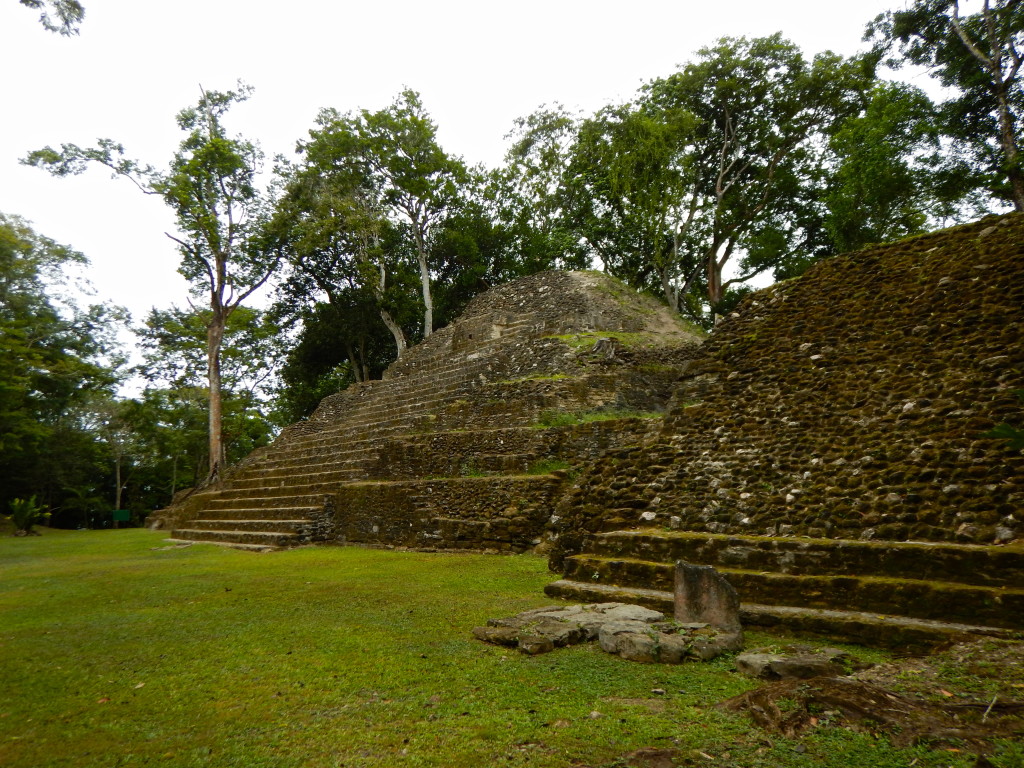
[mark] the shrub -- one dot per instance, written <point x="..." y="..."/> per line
<point x="24" y="514"/>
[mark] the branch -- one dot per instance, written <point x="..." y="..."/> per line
<point x="190" y="249"/>
<point x="256" y="286"/>
<point x="962" y="34"/>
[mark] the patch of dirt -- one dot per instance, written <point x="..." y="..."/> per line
<point x="973" y="672"/>
<point x="971" y="692"/>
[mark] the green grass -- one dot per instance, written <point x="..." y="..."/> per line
<point x="557" y="418"/>
<point x="586" y="340"/>
<point x="547" y="466"/>
<point x="118" y="651"/>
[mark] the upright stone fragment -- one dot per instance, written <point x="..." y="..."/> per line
<point x="702" y="595"/>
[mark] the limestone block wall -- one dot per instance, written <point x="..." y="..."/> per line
<point x="499" y="513"/>
<point x="849" y="404"/>
<point x="513" y="450"/>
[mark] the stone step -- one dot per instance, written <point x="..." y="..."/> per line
<point x="899" y="633"/>
<point x="306" y="482"/>
<point x="249" y="499"/>
<point x="265" y="513"/>
<point x="930" y="600"/>
<point x="228" y="544"/>
<point x="258" y="525"/>
<point x="1000" y="566"/>
<point x="322" y="461"/>
<point x="259" y="538"/>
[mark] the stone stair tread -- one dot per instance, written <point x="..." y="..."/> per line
<point x="820" y="620"/>
<point x="980" y="565"/>
<point x="865" y="578"/>
<point x="247" y="533"/>
<point x="228" y="544"/>
<point x="197" y="526"/>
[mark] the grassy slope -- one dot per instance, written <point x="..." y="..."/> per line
<point x="117" y="651"/>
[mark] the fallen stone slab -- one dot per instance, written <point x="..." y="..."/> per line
<point x="797" y="663"/>
<point x="632" y="632"/>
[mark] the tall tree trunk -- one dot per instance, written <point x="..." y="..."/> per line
<point x="378" y="293"/>
<point x="117" y="485"/>
<point x="396" y="330"/>
<point x="421" y="258"/>
<point x="428" y="301"/>
<point x="671" y="294"/>
<point x="214" y="339"/>
<point x="714" y="281"/>
<point x="999" y="87"/>
<point x="1008" y="139"/>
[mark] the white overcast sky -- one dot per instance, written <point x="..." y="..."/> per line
<point x="478" y="65"/>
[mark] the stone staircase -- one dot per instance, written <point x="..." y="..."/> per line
<point x="450" y="450"/>
<point x="903" y="595"/>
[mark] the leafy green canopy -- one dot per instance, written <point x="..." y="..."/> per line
<point x="386" y="236"/>
<point x="54" y="360"/>
<point x="978" y="57"/>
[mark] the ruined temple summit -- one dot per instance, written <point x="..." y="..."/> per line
<point x="825" y="447"/>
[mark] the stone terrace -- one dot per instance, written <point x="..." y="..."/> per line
<point x="827" y="450"/>
<point x="455" y="447"/>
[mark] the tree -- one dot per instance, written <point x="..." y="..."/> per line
<point x="762" y="113"/>
<point x="630" y="193"/>
<point x="335" y="225"/>
<point x="417" y="181"/>
<point x="173" y="346"/>
<point x="226" y="252"/>
<point x="980" y="56"/>
<point x="890" y="176"/>
<point x="66" y="18"/>
<point x="527" y="196"/>
<point x="362" y="216"/>
<point x="55" y="358"/>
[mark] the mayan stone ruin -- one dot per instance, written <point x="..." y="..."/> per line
<point x="824" y="448"/>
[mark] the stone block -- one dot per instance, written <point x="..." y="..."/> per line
<point x="702" y="595"/>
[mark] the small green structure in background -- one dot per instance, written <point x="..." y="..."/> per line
<point x="121" y="516"/>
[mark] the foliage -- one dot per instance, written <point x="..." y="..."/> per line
<point x="66" y="18"/>
<point x="556" y="418"/>
<point x="385" y="234"/>
<point x="763" y="113"/>
<point x="56" y="359"/>
<point x="547" y="466"/>
<point x="892" y="177"/>
<point x="25" y="513"/>
<point x="627" y="194"/>
<point x="720" y="163"/>
<point x="978" y="56"/>
<point x="372" y="192"/>
<point x="173" y="346"/>
<point x="526" y="195"/>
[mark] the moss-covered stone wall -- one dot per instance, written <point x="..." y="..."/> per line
<point x="505" y="513"/>
<point x="851" y="403"/>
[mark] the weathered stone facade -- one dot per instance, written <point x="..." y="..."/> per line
<point x="828" y="421"/>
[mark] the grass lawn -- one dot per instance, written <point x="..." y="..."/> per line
<point x="116" y="650"/>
